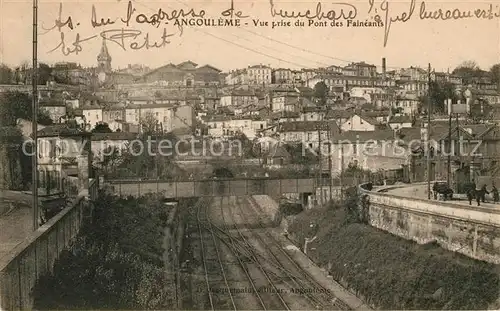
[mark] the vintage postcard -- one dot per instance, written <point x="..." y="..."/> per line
<point x="253" y="155"/>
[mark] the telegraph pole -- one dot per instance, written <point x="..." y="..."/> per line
<point x="34" y="127"/>
<point x="449" y="143"/>
<point x="429" y="107"/>
<point x="341" y="177"/>
<point x="320" y="165"/>
<point x="330" y="161"/>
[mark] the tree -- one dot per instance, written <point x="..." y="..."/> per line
<point x="102" y="128"/>
<point x="149" y="123"/>
<point x="43" y="118"/>
<point x="111" y="160"/>
<point x="44" y="73"/>
<point x="480" y="112"/>
<point x="495" y="73"/>
<point x="6" y="74"/>
<point x="468" y="70"/>
<point x="439" y="92"/>
<point x="15" y="105"/>
<point x="396" y="110"/>
<point x="321" y="92"/>
<point x="246" y="144"/>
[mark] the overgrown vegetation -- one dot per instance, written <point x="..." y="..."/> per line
<point x="116" y="263"/>
<point x="390" y="272"/>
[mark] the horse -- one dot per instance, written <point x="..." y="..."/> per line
<point x="443" y="189"/>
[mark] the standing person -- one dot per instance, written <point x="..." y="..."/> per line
<point x="478" y="195"/>
<point x="484" y="192"/>
<point x="494" y="192"/>
<point x="471" y="194"/>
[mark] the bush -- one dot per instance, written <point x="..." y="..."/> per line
<point x="116" y="263"/>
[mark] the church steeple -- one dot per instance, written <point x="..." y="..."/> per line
<point x="104" y="59"/>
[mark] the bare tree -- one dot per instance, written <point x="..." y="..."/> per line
<point x="149" y="123"/>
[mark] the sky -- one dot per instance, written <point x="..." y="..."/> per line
<point x="416" y="42"/>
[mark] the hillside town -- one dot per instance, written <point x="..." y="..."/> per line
<point x="179" y="187"/>
<point x="342" y="105"/>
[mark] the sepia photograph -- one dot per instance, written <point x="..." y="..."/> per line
<point x="249" y="155"/>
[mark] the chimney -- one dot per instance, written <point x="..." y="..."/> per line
<point x="384" y="67"/>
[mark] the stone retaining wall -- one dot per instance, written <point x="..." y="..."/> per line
<point x="470" y="230"/>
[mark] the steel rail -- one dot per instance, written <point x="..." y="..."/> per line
<point x="242" y="265"/>
<point x="218" y="256"/>
<point x="203" y="258"/>
<point x="261" y="268"/>
<point x="338" y="303"/>
<point x="296" y="280"/>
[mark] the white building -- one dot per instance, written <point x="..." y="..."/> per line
<point x="103" y="143"/>
<point x="93" y="115"/>
<point x="372" y="151"/>
<point x="359" y="123"/>
<point x="228" y="127"/>
<point x="168" y="116"/>
<point x="366" y="93"/>
<point x="306" y="132"/>
<point x="259" y="74"/>
<point x="400" y="121"/>
<point x="282" y="76"/>
<point x="63" y="152"/>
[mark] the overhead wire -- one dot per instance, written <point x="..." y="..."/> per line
<point x="293" y="46"/>
<point x="300" y="65"/>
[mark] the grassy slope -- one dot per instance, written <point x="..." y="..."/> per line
<point x="393" y="273"/>
<point x="116" y="263"/>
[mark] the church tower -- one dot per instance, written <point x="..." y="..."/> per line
<point x="103" y="63"/>
<point x="104" y="59"/>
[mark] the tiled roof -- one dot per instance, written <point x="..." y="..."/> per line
<point x="364" y="136"/>
<point x="307" y="126"/>
<point x="113" y="136"/>
<point x="369" y="119"/>
<point x="52" y="103"/>
<point x="377" y="113"/>
<point x="400" y="119"/>
<point x="338" y="114"/>
<point x="61" y="130"/>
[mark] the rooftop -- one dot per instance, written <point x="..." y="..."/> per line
<point x="62" y="130"/>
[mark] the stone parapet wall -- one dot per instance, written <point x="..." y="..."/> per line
<point x="35" y="257"/>
<point x="470" y="230"/>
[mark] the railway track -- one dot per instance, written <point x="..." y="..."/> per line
<point x="270" y="302"/>
<point x="239" y="254"/>
<point x="213" y="296"/>
<point x="322" y="295"/>
<point x="261" y="271"/>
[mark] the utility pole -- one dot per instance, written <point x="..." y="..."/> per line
<point x="34" y="127"/>
<point x="341" y="177"/>
<point x="330" y="161"/>
<point x="449" y="147"/>
<point x="429" y="107"/>
<point x="320" y="164"/>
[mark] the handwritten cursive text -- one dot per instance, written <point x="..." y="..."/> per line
<point x="101" y="22"/>
<point x="232" y="13"/>
<point x="59" y="24"/>
<point x="426" y="14"/>
<point x="403" y="18"/>
<point x="159" y="17"/>
<point x="76" y="45"/>
<point x="318" y="14"/>
<point x="120" y="37"/>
